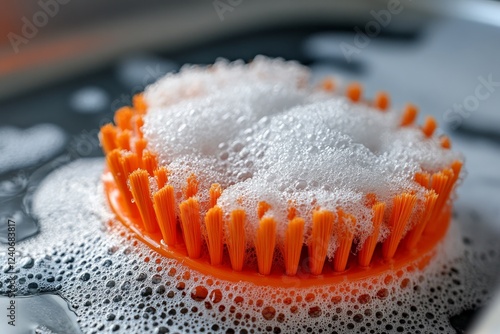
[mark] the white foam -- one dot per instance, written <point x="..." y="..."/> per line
<point x="262" y="133"/>
<point x="117" y="284"/>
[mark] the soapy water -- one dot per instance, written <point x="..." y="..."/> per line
<point x="114" y="283"/>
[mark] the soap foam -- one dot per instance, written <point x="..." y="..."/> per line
<point x="117" y="284"/>
<point x="264" y="135"/>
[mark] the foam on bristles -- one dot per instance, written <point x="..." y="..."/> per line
<point x="264" y="135"/>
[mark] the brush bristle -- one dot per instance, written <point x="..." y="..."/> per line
<point x="262" y="208"/>
<point x="294" y="240"/>
<point x="366" y="253"/>
<point x="130" y="162"/>
<point x="382" y="101"/>
<point x="328" y="85"/>
<point x="430" y="125"/>
<point x="107" y="137"/>
<point x="215" y="192"/>
<point x="322" y="229"/>
<point x="215" y="232"/>
<point x="265" y="242"/>
<point x="409" y="115"/>
<point x="139" y="186"/>
<point x="123" y="140"/>
<point x="401" y="211"/>
<point x="191" y="186"/>
<point x="415" y="234"/>
<point x="123" y="118"/>
<point x="354" y="91"/>
<point x="139" y="103"/>
<point x="161" y="176"/>
<point x="191" y="226"/>
<point x="236" y="243"/>
<point x="138" y="122"/>
<point x="346" y="224"/>
<point x="423" y="178"/>
<point x="139" y="147"/>
<point x="148" y="162"/>
<point x="445" y="142"/>
<point x="164" y="206"/>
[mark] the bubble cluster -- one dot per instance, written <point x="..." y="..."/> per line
<point x="116" y="284"/>
<point x="262" y="133"/>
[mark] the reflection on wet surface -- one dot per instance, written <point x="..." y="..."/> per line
<point x="45" y="313"/>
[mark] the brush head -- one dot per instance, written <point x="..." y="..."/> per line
<point x="259" y="164"/>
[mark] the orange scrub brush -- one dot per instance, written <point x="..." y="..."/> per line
<point x="375" y="199"/>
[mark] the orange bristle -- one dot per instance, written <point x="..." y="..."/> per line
<point x="164" y="206"/>
<point x="215" y="192"/>
<point x="442" y="183"/>
<point x="262" y="208"/>
<point x="382" y="101"/>
<point x="456" y="166"/>
<point x="236" y="239"/>
<point x="415" y="234"/>
<point x="213" y="223"/>
<point x="346" y="224"/>
<point x="366" y="253"/>
<point x="354" y="91"/>
<point x="129" y="162"/>
<point x="294" y="239"/>
<point x="430" y="125"/>
<point x="114" y="162"/>
<point x="123" y="117"/>
<point x="191" y="227"/>
<point x="161" y="175"/>
<point x="191" y="186"/>
<point x="328" y="85"/>
<point x="123" y="140"/>
<point x="139" y="103"/>
<point x="401" y="211"/>
<point x="292" y="212"/>
<point x="107" y="137"/>
<point x="370" y="199"/>
<point x="409" y="115"/>
<point x="138" y="122"/>
<point x="139" y="186"/>
<point x="139" y="147"/>
<point x="265" y="241"/>
<point x="423" y="178"/>
<point x="148" y="162"/>
<point x="445" y="142"/>
<point x="322" y="229"/>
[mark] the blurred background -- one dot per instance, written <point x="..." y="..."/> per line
<point x="67" y="65"/>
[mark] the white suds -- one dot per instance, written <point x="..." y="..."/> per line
<point x="117" y="284"/>
<point x="264" y="135"/>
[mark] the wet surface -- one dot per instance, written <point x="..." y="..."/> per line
<point x="44" y="314"/>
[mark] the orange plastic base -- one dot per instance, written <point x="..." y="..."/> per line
<point x="416" y="258"/>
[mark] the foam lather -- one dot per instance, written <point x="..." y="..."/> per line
<point x="272" y="176"/>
